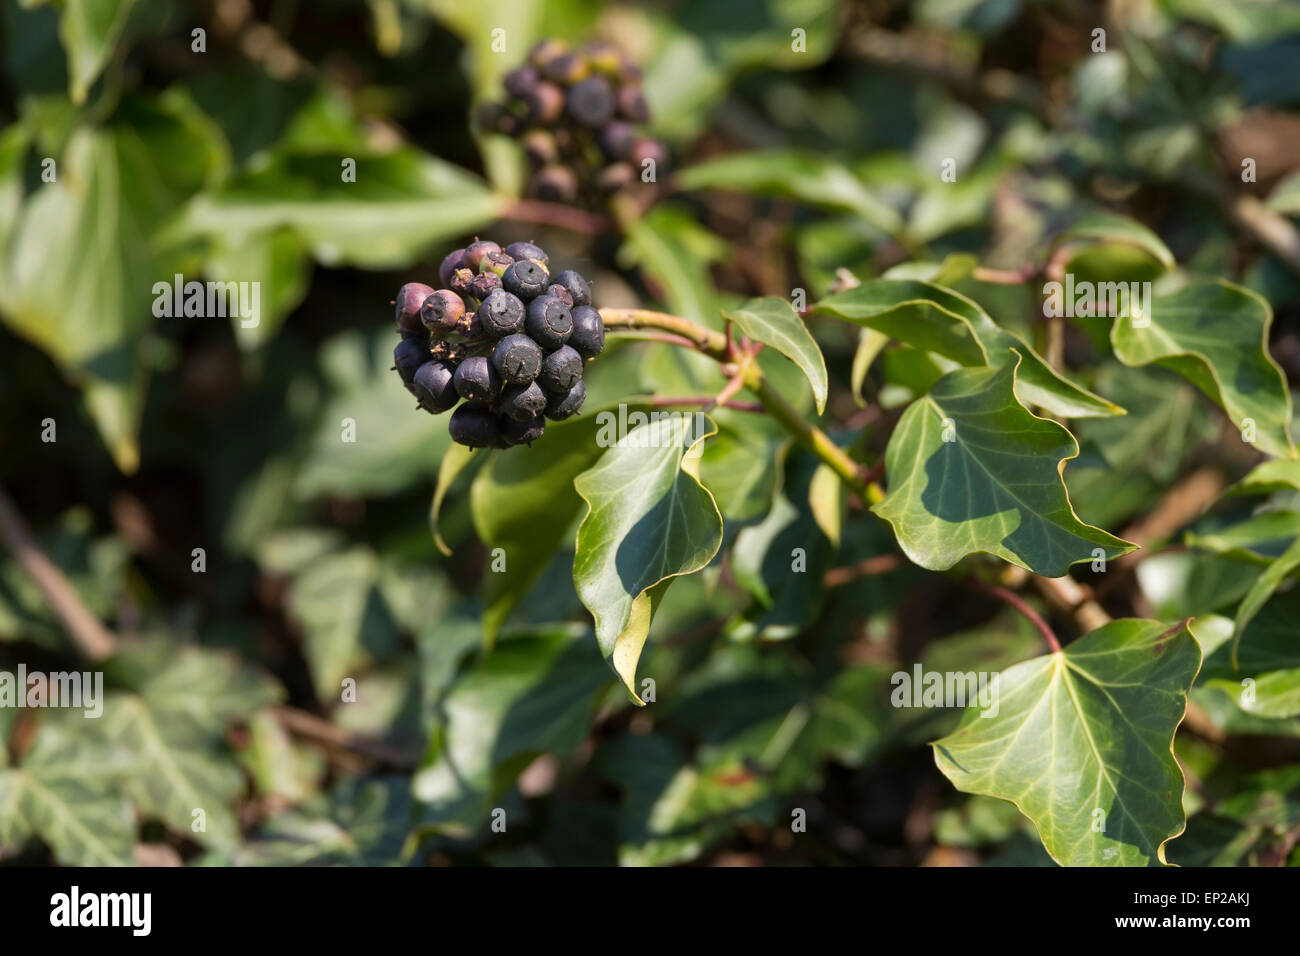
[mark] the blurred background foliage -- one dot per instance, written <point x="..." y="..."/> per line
<point x="180" y="433"/>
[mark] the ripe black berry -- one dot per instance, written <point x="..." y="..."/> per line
<point x="518" y="359"/>
<point x="432" y="386"/>
<point x="501" y="314"/>
<point x="526" y="278"/>
<point x="522" y="402"/>
<point x="522" y="433"/>
<point x="548" y="322"/>
<point x="407" y="306"/>
<point x="561" y="370"/>
<point x="526" y="250"/>
<point x="474" y="425"/>
<point x="441" y="311"/>
<point x="591" y="102"/>
<point x="567" y="404"/>
<point x="477" y="380"/>
<point x="588" y="335"/>
<point x="408" y="356"/>
<point x="576" y="285"/>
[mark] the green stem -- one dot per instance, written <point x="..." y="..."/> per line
<point x="714" y="344"/>
<point x="711" y="343"/>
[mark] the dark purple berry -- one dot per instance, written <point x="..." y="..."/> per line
<point x="561" y="293"/>
<point x="554" y="183"/>
<point x="576" y="285"/>
<point x="408" y="356"/>
<point x="522" y="402"/>
<point x="591" y="102"/>
<point x="407" y="306"/>
<point x="564" y="68"/>
<point x="588" y="335"/>
<point x="477" y="380"/>
<point x="520" y="82"/>
<point x="616" y="139"/>
<point x="567" y="404"/>
<point x="433" y="387"/>
<point x="548" y="322"/>
<point x="518" y="359"/>
<point x="454" y="261"/>
<point x="501" y="314"/>
<point x="632" y="104"/>
<point x="484" y="284"/>
<point x="526" y="250"/>
<point x="522" y="433"/>
<point x="474" y="425"/>
<point x="441" y="311"/>
<point x="561" y="370"/>
<point x="545" y="103"/>
<point x="475" y="252"/>
<point x="525" y="278"/>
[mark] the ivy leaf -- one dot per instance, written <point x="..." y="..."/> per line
<point x="401" y="203"/>
<point x="90" y="30"/>
<point x="1109" y="228"/>
<point x="773" y="321"/>
<point x="936" y="319"/>
<point x="172" y="720"/>
<point x="527" y="508"/>
<point x="113" y="181"/>
<point x="1259" y="538"/>
<point x="1260" y="592"/>
<point x="1267" y="477"/>
<point x="1082" y="742"/>
<point x="533" y="694"/>
<point x="1265" y="680"/>
<point x="67" y="792"/>
<point x="970" y="469"/>
<point x="649" y="521"/>
<point x="794" y="174"/>
<point x="1215" y="335"/>
<point x="456" y="459"/>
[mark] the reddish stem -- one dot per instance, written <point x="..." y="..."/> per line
<point x="670" y="401"/>
<point x="554" y="214"/>
<point x="1017" y="602"/>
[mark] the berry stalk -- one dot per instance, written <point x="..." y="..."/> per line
<point x="714" y="344"/>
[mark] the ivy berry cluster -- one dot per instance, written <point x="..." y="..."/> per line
<point x="504" y="335"/>
<point x="576" y="114"/>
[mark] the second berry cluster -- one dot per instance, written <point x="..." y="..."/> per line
<point x="576" y="112"/>
<point x="502" y="334"/>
